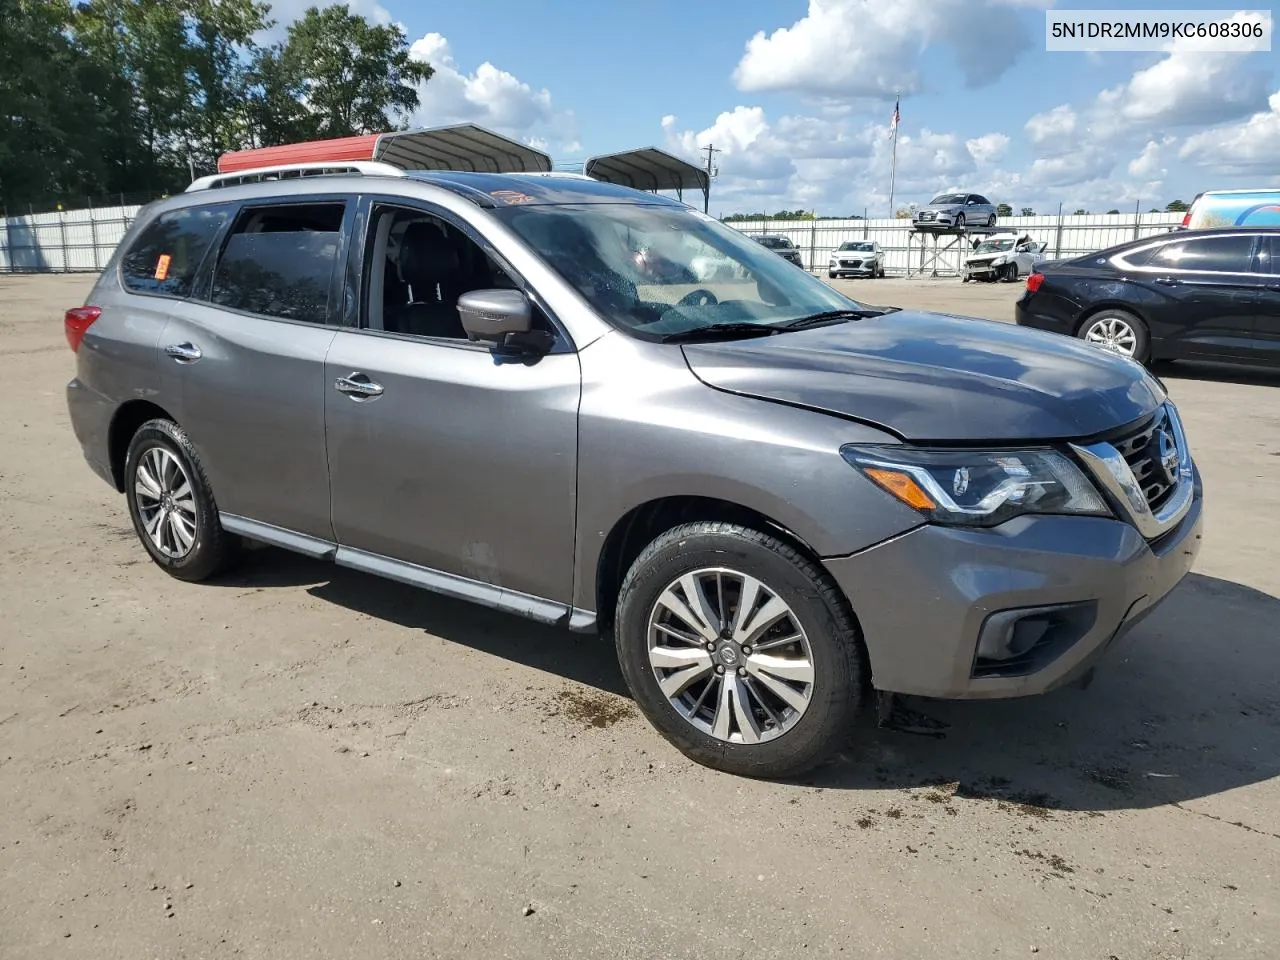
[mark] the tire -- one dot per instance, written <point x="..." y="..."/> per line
<point x="791" y="740"/>
<point x="1109" y="323"/>
<point x="964" y="278"/>
<point x="991" y="220"/>
<point x="831" y="275"/>
<point x="162" y="459"/>
<point x="959" y="221"/>
<point x="1009" y="274"/>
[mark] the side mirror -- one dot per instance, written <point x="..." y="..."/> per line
<point x="503" y="318"/>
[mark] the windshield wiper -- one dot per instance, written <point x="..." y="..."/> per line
<point x="714" y="330"/>
<point x="830" y="316"/>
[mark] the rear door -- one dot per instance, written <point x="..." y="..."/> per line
<point x="245" y="361"/>
<point x="1211" y="295"/>
<point x="1267" y="319"/>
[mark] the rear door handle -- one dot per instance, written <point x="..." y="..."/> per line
<point x="1168" y="281"/>
<point x="184" y="352"/>
<point x="357" y="386"/>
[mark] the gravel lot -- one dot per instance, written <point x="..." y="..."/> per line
<point x="301" y="761"/>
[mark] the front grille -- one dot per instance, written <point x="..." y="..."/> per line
<point x="929" y="215"/>
<point x="850" y="263"/>
<point x="1140" y="451"/>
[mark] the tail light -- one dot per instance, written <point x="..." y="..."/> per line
<point x="77" y="322"/>
<point x="1033" y="282"/>
<point x="1186" y="220"/>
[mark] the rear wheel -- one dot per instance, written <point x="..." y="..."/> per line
<point x="740" y="650"/>
<point x="1117" y="331"/>
<point x="172" y="506"/>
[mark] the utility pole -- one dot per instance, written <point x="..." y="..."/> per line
<point x="710" y="150"/>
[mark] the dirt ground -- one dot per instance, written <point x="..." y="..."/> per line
<point x="300" y="761"/>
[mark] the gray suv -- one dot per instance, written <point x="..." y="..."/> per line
<point x="779" y="502"/>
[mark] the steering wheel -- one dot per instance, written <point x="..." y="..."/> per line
<point x="698" y="298"/>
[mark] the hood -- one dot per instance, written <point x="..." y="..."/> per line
<point x="935" y="377"/>
<point x="940" y="207"/>
<point x="984" y="257"/>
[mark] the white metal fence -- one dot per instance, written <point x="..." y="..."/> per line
<point x="83" y="240"/>
<point x="64" y="241"/>
<point x="908" y="254"/>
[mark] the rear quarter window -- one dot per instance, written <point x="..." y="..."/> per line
<point x="164" y="258"/>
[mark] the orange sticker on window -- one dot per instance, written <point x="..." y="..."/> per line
<point x="162" y="266"/>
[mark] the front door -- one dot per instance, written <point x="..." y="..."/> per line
<point x="243" y="361"/>
<point x="444" y="459"/>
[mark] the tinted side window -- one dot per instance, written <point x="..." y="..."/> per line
<point x="1211" y="254"/>
<point x="279" y="261"/>
<point x="1267" y="259"/>
<point x="165" y="257"/>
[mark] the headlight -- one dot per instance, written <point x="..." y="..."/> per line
<point x="999" y="261"/>
<point x="978" y="487"/>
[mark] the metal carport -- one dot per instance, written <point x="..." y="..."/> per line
<point x="463" y="146"/>
<point x="649" y="168"/>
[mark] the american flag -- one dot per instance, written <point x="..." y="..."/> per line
<point x="897" y="117"/>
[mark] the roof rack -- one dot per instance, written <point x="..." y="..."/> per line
<point x="296" y="171"/>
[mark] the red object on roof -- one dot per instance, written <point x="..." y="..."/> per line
<point x="314" y="151"/>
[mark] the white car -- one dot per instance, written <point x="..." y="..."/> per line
<point x="856" y="258"/>
<point x="1002" y="256"/>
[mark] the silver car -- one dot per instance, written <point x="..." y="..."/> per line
<point x="955" y="211"/>
<point x="782" y="505"/>
<point x="856" y="258"/>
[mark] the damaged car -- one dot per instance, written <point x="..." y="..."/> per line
<point x="1002" y="256"/>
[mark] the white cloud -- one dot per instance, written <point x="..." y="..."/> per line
<point x="1056" y="124"/>
<point x="1149" y="164"/>
<point x="987" y="148"/>
<point x="1241" y="149"/>
<point x="846" y="49"/>
<point x="490" y="97"/>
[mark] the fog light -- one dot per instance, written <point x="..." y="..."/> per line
<point x="1021" y="641"/>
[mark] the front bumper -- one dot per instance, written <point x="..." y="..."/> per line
<point x="982" y="270"/>
<point x="866" y="270"/>
<point x="922" y="598"/>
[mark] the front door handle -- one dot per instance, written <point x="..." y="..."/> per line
<point x="184" y="352"/>
<point x="357" y="386"/>
<point x="1168" y="281"/>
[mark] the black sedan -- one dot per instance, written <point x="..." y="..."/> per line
<point x="1206" y="295"/>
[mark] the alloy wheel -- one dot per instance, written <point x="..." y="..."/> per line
<point x="166" y="502"/>
<point x="1114" y="334"/>
<point x="730" y="656"/>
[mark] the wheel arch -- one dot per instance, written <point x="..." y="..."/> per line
<point x="1094" y="309"/>
<point x="124" y="424"/>
<point x="641" y="525"/>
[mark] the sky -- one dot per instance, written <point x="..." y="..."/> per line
<point x="798" y="95"/>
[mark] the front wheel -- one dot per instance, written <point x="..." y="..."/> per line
<point x="991" y="220"/>
<point x="959" y="221"/>
<point x="740" y="650"/>
<point x="171" y="504"/>
<point x="1117" y="331"/>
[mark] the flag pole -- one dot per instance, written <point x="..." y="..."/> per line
<point x="893" y="168"/>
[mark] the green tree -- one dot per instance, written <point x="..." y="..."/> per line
<point x="220" y="53"/>
<point x="357" y="77"/>
<point x="41" y="107"/>
<point x="1176" y="206"/>
<point x="1028" y="212"/>
<point x="1080" y="212"/>
<point x="1112" y="211"/>
<point x="1004" y="210"/>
